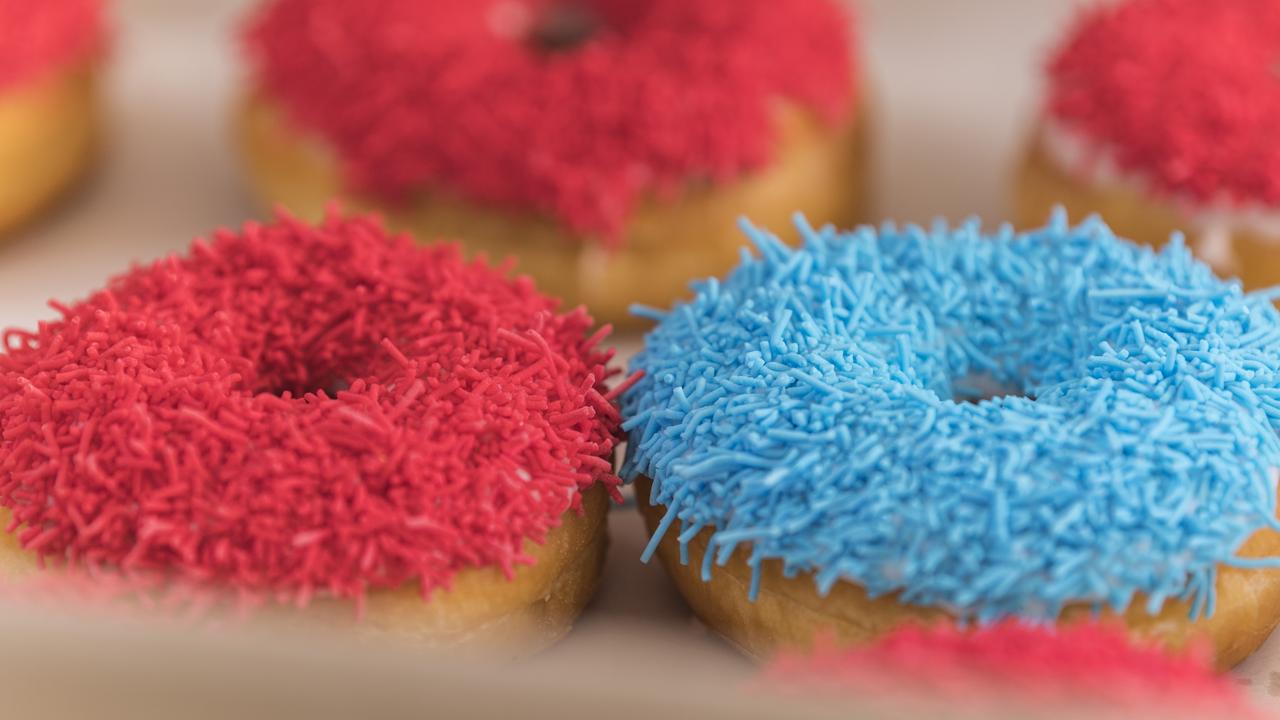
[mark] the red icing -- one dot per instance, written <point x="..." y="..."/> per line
<point x="1184" y="92"/>
<point x="1088" y="665"/>
<point x="452" y="95"/>
<point x="39" y="35"/>
<point x="179" y="419"/>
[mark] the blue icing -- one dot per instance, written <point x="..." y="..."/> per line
<point x="814" y="405"/>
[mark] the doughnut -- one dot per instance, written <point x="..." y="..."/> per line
<point x="326" y="416"/>
<point x="607" y="144"/>
<point x="48" y="101"/>
<point x="1011" y="669"/>
<point x="951" y="426"/>
<point x="1158" y="130"/>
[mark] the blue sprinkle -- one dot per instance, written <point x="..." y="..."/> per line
<point x="805" y="405"/>
<point x="663" y="526"/>
<point x="648" y="313"/>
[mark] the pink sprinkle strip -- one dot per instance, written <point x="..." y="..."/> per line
<point x="1085" y="665"/>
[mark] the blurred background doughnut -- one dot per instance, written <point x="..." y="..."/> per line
<point x="49" y="52"/>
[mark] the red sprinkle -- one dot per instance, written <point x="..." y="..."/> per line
<point x="1083" y="665"/>
<point x="298" y="409"/>
<point x="1185" y="93"/>
<point x="456" y="95"/>
<point x="39" y="35"/>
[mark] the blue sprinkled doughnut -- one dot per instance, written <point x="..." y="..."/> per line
<point x="830" y="409"/>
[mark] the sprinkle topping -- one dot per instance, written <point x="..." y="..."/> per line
<point x="1184" y="93"/>
<point x="825" y="405"/>
<point x="40" y="35"/>
<point x="1079" y="666"/>
<point x="297" y="409"/>
<point x="572" y="109"/>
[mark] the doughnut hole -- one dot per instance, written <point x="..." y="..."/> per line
<point x="981" y="387"/>
<point x="563" y="27"/>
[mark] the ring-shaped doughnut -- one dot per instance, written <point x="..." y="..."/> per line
<point x="320" y="412"/>
<point x="829" y="411"/>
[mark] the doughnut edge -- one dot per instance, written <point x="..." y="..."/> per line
<point x="790" y="614"/>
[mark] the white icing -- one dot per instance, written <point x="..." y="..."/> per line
<point x="1210" y="225"/>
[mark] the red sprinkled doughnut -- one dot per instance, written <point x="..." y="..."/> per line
<point x="38" y="35"/>
<point x="1082" y="665"/>
<point x="1186" y="93"/>
<point x="462" y="96"/>
<point x="298" y="409"/>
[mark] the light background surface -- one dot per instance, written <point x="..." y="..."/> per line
<point x="954" y="88"/>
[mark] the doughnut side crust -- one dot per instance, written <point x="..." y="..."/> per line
<point x="483" y="610"/>
<point x="1041" y="186"/>
<point x="789" y="612"/>
<point x="818" y="170"/>
<point x="48" y="137"/>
